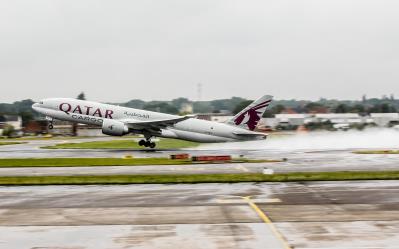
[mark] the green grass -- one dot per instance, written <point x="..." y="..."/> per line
<point x="33" y="138"/>
<point x="124" y="144"/>
<point x="213" y="178"/>
<point x="50" y="137"/>
<point x="377" y="152"/>
<point x="76" y="162"/>
<point x="10" y="143"/>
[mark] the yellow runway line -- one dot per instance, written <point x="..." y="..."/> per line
<point x="267" y="220"/>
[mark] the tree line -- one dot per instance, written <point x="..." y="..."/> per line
<point x="233" y="105"/>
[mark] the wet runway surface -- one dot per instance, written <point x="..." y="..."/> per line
<point x="350" y="215"/>
<point x="297" y="160"/>
<point x="362" y="214"/>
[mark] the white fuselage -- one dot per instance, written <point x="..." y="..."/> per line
<point x="94" y="113"/>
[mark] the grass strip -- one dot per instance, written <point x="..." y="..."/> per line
<point x="10" y="143"/>
<point x="34" y="138"/>
<point x="123" y="144"/>
<point x="211" y="178"/>
<point x="49" y="137"/>
<point x="377" y="152"/>
<point x="79" y="162"/>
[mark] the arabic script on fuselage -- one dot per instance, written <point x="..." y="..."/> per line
<point x="136" y="115"/>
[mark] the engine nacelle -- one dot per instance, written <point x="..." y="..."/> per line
<point x="114" y="128"/>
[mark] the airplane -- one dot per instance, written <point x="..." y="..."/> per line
<point x="118" y="121"/>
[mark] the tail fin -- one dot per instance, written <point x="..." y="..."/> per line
<point x="250" y="116"/>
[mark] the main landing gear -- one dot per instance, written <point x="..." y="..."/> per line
<point x="147" y="143"/>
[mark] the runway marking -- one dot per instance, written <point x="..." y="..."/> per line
<point x="272" y="200"/>
<point x="232" y="201"/>
<point x="267" y="220"/>
<point x="240" y="167"/>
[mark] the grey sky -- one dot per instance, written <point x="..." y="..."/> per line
<point x="120" y="50"/>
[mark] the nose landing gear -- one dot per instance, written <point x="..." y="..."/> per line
<point x="50" y="124"/>
<point x="147" y="143"/>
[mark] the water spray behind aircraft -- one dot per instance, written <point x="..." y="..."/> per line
<point x="323" y="140"/>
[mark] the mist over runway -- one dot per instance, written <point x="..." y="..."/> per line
<point x="323" y="140"/>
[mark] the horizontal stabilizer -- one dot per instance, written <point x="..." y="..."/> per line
<point x="249" y="135"/>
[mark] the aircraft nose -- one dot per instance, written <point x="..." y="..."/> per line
<point x="35" y="106"/>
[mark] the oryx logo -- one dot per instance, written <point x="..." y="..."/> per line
<point x="253" y="115"/>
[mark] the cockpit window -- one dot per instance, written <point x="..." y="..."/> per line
<point x="41" y="102"/>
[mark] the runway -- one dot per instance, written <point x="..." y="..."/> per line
<point x="351" y="215"/>
<point x="303" y="160"/>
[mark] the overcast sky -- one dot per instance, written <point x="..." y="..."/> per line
<point x="120" y="50"/>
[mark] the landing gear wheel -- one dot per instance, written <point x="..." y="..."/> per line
<point x="50" y="126"/>
<point x="147" y="142"/>
<point x="142" y="142"/>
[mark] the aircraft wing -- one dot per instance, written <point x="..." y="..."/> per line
<point x="152" y="125"/>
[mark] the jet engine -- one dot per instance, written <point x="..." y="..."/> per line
<point x="114" y="128"/>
